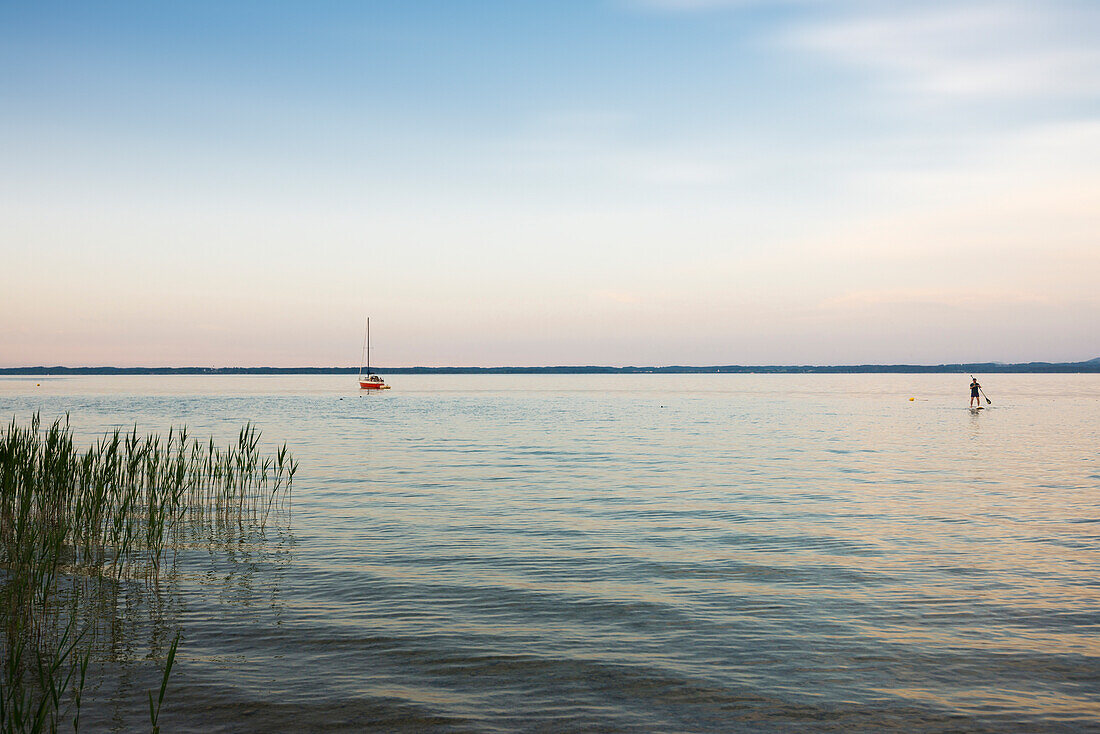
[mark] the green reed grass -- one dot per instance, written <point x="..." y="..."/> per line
<point x="72" y="520"/>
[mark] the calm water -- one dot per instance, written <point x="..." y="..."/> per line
<point x="632" y="553"/>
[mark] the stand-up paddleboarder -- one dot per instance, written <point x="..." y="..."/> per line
<point x="975" y="396"/>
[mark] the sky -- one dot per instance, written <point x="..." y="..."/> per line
<point x="521" y="182"/>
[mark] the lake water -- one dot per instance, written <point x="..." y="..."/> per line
<point x="650" y="553"/>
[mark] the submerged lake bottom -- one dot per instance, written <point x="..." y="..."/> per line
<point x="634" y="553"/>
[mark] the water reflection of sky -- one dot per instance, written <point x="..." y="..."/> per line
<point x="643" y="551"/>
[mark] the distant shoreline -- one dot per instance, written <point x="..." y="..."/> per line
<point x="1092" y="365"/>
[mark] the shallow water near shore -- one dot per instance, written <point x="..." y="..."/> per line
<point x="628" y="553"/>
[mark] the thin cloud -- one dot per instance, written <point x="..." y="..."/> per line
<point x="703" y="5"/>
<point x="954" y="298"/>
<point x="597" y="143"/>
<point x="966" y="50"/>
<point x="616" y="297"/>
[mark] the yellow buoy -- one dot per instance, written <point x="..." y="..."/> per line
<point x="911" y="399"/>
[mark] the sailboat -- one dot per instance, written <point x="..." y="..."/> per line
<point x="371" y="381"/>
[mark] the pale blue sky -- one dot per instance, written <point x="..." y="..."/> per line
<point x="517" y="182"/>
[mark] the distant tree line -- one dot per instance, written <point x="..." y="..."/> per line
<point x="1092" y="365"/>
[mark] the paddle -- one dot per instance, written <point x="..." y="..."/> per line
<point x="987" y="400"/>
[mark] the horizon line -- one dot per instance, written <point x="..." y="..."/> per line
<point x="1091" y="365"/>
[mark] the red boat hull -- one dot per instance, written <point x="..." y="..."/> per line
<point x="373" y="386"/>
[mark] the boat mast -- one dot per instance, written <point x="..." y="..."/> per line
<point x="366" y="337"/>
<point x="368" y="346"/>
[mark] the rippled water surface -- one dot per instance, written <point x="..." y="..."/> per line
<point x="633" y="553"/>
